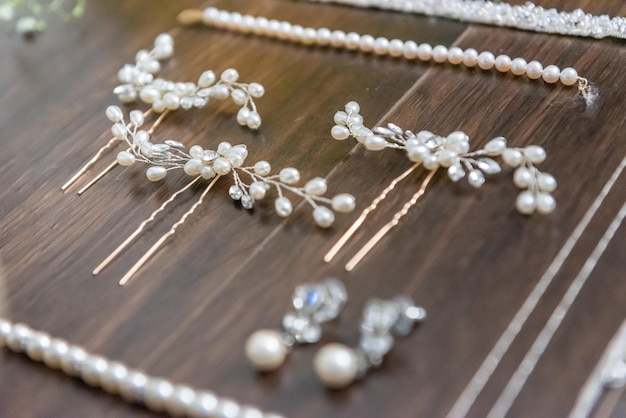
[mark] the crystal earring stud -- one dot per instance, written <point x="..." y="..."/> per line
<point x="338" y="366"/>
<point x="314" y="304"/>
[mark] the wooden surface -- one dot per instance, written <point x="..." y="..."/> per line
<point x="465" y="255"/>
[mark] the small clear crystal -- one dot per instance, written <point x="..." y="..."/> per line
<point x="247" y="202"/>
<point x="489" y="166"/>
<point x="174" y="144"/>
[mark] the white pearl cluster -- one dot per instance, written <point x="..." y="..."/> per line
<point x="314" y="304"/>
<point x="138" y="82"/>
<point x="453" y="154"/>
<point x="227" y="159"/>
<point x="158" y="395"/>
<point x="409" y="50"/>
<point x="337" y="365"/>
<point x="528" y="16"/>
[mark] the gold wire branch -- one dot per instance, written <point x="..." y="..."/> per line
<point x="128" y="276"/>
<point x="357" y="224"/>
<point x="386" y="228"/>
<point x="140" y="229"/>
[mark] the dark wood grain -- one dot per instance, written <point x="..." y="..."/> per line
<point x="465" y="255"/>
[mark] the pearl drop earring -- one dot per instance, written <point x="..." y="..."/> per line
<point x="207" y="164"/>
<point x="451" y="153"/>
<point x="314" y="304"/>
<point x="337" y="365"/>
<point x="164" y="96"/>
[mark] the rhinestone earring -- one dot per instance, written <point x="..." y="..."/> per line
<point x="337" y="365"/>
<point x="451" y="153"/>
<point x="314" y="304"/>
<point x="164" y="96"/>
<point x="250" y="183"/>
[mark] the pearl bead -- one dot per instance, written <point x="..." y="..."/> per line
<point x="523" y="177"/>
<point x="446" y="157"/>
<point x="257" y="190"/>
<point x="343" y="203"/>
<point x="455" y="55"/>
<point x="114" y="114"/>
<point x="193" y="167"/>
<point x="551" y="74"/>
<point x="37" y="345"/>
<point x="125" y="158"/>
<point x="534" y="70"/>
<point x="119" y="131"/>
<point x="417" y="153"/>
<point x="381" y="45"/>
<point x="425" y="52"/>
<point x="221" y="166"/>
<point x="569" y="76"/>
<point x="519" y="66"/>
<point x="73" y="360"/>
<point x="156" y="173"/>
<point x="204" y="405"/>
<point x="92" y="368"/>
<point x="396" y="48"/>
<point x="503" y="63"/>
<point x="239" y="96"/>
<point x="512" y="157"/>
<point x="324" y="217"/>
<point x="336" y="365"/>
<point x="180" y="401"/>
<point x="340" y="132"/>
<point x="242" y="116"/>
<point x="470" y="57"/>
<point x="316" y="186"/>
<point x="254" y="120"/>
<point x="136" y="118"/>
<point x="526" y="203"/>
<point x="486" y="60"/>
<point x="207" y="172"/>
<point x="367" y="42"/>
<point x="547" y="183"/>
<point x="112" y="378"/>
<point x="409" y="50"/>
<point x="171" y="101"/>
<point x="283" y="207"/>
<point x="289" y="175"/>
<point x="17" y="337"/>
<point x="430" y="162"/>
<point x="545" y="203"/>
<point x="440" y="54"/>
<point x="265" y="350"/>
<point x="5" y="330"/>
<point x="206" y="79"/>
<point x="309" y="36"/>
<point x="352" y="40"/>
<point x="323" y="36"/>
<point x="229" y="76"/>
<point x="375" y="143"/>
<point x="256" y="90"/>
<point x="353" y="107"/>
<point x="227" y="408"/>
<point x="535" y="154"/>
<point x="262" y="168"/>
<point x="52" y="355"/>
<point x="157" y="394"/>
<point x="132" y="387"/>
<point x="219" y="92"/>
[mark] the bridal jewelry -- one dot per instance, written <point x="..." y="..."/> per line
<point x="451" y="153"/>
<point x="337" y="365"/>
<point x="314" y="304"/>
<point x="528" y="16"/>
<point x="138" y="82"/>
<point x="208" y="164"/>
<point x="134" y="386"/>
<point x="410" y="50"/>
<point x="30" y="15"/>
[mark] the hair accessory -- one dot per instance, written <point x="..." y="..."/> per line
<point x="451" y="153"/>
<point x="138" y="82"/>
<point x="410" y="50"/>
<point x="528" y="16"/>
<point x="30" y="14"/>
<point x="210" y="164"/>
<point x="314" y="304"/>
<point x="337" y="365"/>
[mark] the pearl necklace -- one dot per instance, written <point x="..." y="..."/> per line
<point x="156" y="394"/>
<point x="396" y="48"/>
<point x="528" y="17"/>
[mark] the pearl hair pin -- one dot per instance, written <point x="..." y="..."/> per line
<point x="207" y="164"/>
<point x="451" y="153"/>
<point x="163" y="96"/>
<point x="314" y="304"/>
<point x="115" y="378"/>
<point x="409" y="50"/>
<point x="338" y="366"/>
<point x="529" y="16"/>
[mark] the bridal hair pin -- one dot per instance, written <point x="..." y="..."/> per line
<point x="451" y="153"/>
<point x="528" y="16"/>
<point x="210" y="165"/>
<point x="410" y="50"/>
<point x="30" y="15"/>
<point x="138" y="82"/>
